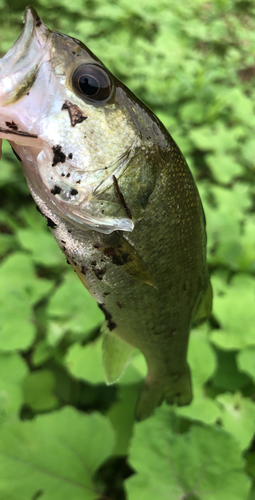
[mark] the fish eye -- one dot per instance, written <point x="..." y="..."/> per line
<point x="92" y="82"/>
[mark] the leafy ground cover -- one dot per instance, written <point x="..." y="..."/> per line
<point x="63" y="432"/>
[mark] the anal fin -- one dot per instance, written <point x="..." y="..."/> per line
<point x="116" y="356"/>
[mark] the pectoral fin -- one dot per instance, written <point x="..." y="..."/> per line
<point x="124" y="255"/>
<point x="116" y="356"/>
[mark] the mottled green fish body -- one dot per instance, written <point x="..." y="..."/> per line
<point x="119" y="198"/>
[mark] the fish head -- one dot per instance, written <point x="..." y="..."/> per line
<point x="70" y="121"/>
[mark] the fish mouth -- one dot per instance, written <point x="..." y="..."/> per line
<point x="21" y="46"/>
<point x="18" y="70"/>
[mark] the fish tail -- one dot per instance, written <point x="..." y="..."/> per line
<point x="174" y="389"/>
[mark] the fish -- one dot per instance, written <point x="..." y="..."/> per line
<point x="119" y="199"/>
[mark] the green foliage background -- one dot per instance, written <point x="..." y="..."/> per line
<point x="63" y="433"/>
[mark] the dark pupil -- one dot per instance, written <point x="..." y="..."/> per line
<point x="89" y="85"/>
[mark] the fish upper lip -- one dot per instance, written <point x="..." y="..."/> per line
<point x="20" y="47"/>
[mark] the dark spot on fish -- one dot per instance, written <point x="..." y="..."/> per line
<point x="121" y="197"/>
<point x="62" y="175"/>
<point x="12" y="125"/>
<point x="184" y="287"/>
<point x="84" y="270"/>
<point x="106" y="293"/>
<point x="119" y="259"/>
<point x="69" y="231"/>
<point x="68" y="262"/>
<point x="111" y="325"/>
<point x="38" y="22"/>
<point x="119" y="304"/>
<point x="50" y="223"/>
<point x="93" y="263"/>
<point x="64" y="248"/>
<point x="16" y="154"/>
<point x="96" y="245"/>
<point x="75" y="263"/>
<point x="102" y="211"/>
<point x="109" y="251"/>
<point x="68" y="175"/>
<point x="70" y="156"/>
<point x="99" y="272"/>
<point x="78" y="182"/>
<point x="58" y="155"/>
<point x="73" y="192"/>
<point x="62" y="241"/>
<point x="56" y="190"/>
<point x="75" y="113"/>
<point x="18" y="132"/>
<point x="28" y="93"/>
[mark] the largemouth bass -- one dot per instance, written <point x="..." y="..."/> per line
<point x="119" y="198"/>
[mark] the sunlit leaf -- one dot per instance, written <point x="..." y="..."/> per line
<point x="55" y="456"/>
<point x="203" y="463"/>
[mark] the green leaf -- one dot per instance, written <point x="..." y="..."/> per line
<point x="204" y="463"/>
<point x="121" y="415"/>
<point x="85" y="362"/>
<point x="238" y="417"/>
<point x="246" y="361"/>
<point x="73" y="308"/>
<point x="38" y="389"/>
<point x="54" y="456"/>
<point x="234" y="309"/>
<point x="13" y="370"/>
<point x="42" y="246"/>
<point x="19" y="290"/>
<point x="227" y="376"/>
<point x="224" y="167"/>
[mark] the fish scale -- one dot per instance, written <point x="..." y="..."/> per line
<point x="120" y="201"/>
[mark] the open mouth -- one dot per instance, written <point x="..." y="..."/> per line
<point x="18" y="69"/>
<point x="15" y="58"/>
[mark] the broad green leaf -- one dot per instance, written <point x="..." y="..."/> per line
<point x="17" y="276"/>
<point x="122" y="414"/>
<point x="43" y="247"/>
<point x="41" y="353"/>
<point x="38" y="390"/>
<point x="246" y="361"/>
<point x="54" y="456"/>
<point x="217" y="138"/>
<point x="205" y="463"/>
<point x="74" y="309"/>
<point x="19" y="290"/>
<point x="85" y="362"/>
<point x="227" y="376"/>
<point x="223" y="167"/>
<point x="13" y="370"/>
<point x="234" y="309"/>
<point x="238" y="417"/>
